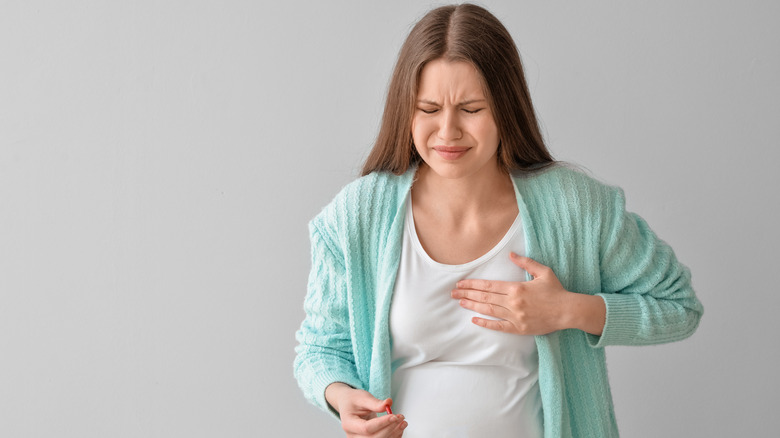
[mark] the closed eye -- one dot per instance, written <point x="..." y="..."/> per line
<point x="473" y="111"/>
<point x="428" y="111"/>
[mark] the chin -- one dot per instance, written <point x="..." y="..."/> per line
<point x="450" y="170"/>
<point x="458" y="168"/>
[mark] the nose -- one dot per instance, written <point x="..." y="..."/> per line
<point x="449" y="128"/>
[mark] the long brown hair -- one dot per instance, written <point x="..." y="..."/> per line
<point x="467" y="33"/>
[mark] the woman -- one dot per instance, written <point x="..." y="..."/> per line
<point x="467" y="274"/>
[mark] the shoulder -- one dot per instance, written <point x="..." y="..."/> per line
<point x="376" y="184"/>
<point x="567" y="186"/>
<point x="367" y="198"/>
<point x="560" y="176"/>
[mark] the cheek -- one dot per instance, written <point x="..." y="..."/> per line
<point x="420" y="131"/>
<point x="487" y="131"/>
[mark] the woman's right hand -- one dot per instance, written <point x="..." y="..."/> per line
<point x="358" y="411"/>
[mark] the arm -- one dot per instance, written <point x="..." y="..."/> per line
<point x="645" y="295"/>
<point x="324" y="351"/>
<point x="324" y="365"/>
<point x="646" y="291"/>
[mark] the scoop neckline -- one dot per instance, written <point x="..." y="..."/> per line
<point x="412" y="230"/>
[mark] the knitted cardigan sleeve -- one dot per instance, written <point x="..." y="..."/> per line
<point x="324" y="351"/>
<point x="648" y="293"/>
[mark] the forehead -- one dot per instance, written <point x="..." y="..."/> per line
<point x="450" y="80"/>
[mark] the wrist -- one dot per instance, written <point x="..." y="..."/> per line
<point x="585" y="312"/>
<point x="333" y="394"/>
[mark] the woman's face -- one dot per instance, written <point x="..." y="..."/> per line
<point x="453" y="128"/>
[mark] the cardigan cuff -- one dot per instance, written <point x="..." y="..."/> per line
<point x="622" y="321"/>
<point x="321" y="382"/>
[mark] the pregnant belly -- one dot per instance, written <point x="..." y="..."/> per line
<point x="454" y="400"/>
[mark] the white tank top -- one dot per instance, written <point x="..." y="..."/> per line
<point x="452" y="378"/>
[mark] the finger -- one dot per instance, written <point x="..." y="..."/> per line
<point x="480" y="296"/>
<point x="531" y="266"/>
<point x="367" y="401"/>
<point x="386" y="422"/>
<point x="486" y="309"/>
<point x="353" y="424"/>
<point x="399" y="431"/>
<point x="495" y="286"/>
<point x="497" y="325"/>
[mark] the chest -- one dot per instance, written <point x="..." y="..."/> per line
<point x="461" y="241"/>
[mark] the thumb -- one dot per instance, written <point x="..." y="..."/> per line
<point x="373" y="404"/>
<point x="530" y="265"/>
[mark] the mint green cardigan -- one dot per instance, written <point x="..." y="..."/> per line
<point x="572" y="223"/>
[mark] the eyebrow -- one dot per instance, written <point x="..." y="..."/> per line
<point x="466" y="102"/>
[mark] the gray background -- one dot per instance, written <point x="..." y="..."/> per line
<point x="159" y="162"/>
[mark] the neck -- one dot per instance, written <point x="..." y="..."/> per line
<point x="458" y="198"/>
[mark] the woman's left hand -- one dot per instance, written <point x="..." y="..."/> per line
<point x="535" y="307"/>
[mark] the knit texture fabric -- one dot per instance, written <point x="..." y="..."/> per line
<point x="572" y="223"/>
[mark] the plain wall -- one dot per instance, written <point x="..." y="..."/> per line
<point x="159" y="162"/>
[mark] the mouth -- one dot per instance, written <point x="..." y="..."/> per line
<point x="451" y="153"/>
